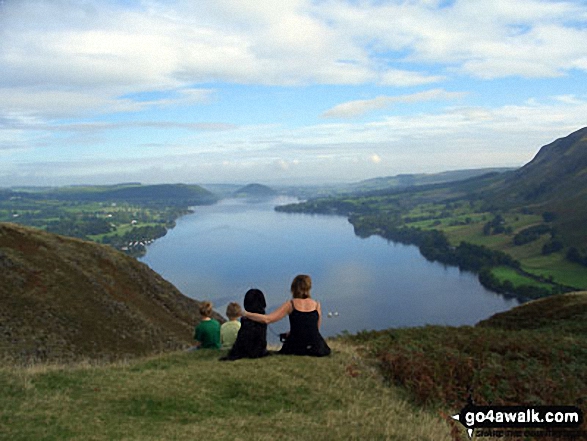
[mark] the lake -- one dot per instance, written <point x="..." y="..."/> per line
<point x="220" y="251"/>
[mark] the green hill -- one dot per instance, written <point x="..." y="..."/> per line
<point x="562" y="314"/>
<point x="536" y="215"/>
<point x="168" y="194"/>
<point x="67" y="299"/>
<point x="255" y="191"/>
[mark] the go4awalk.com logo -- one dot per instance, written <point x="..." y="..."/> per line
<point x="481" y="419"/>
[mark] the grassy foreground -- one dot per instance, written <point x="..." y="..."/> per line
<point x="192" y="395"/>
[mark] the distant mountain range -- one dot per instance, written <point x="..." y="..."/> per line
<point x="409" y="180"/>
<point x="66" y="299"/>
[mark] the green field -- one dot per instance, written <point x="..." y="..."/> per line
<point x="505" y="273"/>
<point x="559" y="268"/>
<point x="532" y="261"/>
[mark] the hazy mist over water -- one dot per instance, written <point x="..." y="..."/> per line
<point x="221" y="251"/>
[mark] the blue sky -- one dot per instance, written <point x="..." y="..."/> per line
<point x="283" y="92"/>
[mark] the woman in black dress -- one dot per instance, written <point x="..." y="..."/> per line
<point x="305" y="317"/>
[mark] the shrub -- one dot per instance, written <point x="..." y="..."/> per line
<point x="443" y="365"/>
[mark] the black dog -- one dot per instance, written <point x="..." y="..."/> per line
<point x="251" y="341"/>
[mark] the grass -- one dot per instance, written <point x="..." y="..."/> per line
<point x="506" y="273"/>
<point x="194" y="396"/>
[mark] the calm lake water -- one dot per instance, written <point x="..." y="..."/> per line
<point x="221" y="251"/>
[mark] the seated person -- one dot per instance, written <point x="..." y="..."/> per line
<point x="229" y="330"/>
<point x="251" y="341"/>
<point x="207" y="333"/>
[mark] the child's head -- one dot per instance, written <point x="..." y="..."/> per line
<point x="206" y="309"/>
<point x="233" y="311"/>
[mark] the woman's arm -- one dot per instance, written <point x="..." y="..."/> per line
<point x="275" y="316"/>
<point x="319" y="309"/>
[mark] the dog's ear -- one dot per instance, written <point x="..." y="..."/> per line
<point x="255" y="301"/>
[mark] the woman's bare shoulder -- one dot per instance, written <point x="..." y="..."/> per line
<point x="306" y="305"/>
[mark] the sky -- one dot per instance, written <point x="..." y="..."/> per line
<point x="283" y="92"/>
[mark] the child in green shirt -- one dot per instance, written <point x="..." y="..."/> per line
<point x="229" y="330"/>
<point x="207" y="333"/>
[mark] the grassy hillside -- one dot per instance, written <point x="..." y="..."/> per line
<point x="64" y="299"/>
<point x="194" y="396"/>
<point x="535" y="354"/>
<point x="395" y="384"/>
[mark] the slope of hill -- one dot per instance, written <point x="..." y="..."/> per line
<point x="563" y="313"/>
<point x="554" y="181"/>
<point x="64" y="298"/>
<point x="533" y="354"/>
<point x="558" y="169"/>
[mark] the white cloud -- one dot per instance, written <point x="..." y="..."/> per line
<point x="483" y="38"/>
<point x="58" y="103"/>
<point x="106" y="51"/>
<point x="405" y="78"/>
<point x="294" y="42"/>
<point x="67" y="66"/>
<point x="353" y="109"/>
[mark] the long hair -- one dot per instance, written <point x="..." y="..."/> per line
<point x="301" y="286"/>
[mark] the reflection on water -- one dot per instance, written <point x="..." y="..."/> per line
<point x="221" y="251"/>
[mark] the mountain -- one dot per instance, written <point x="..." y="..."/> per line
<point x="255" y="191"/>
<point x="67" y="299"/>
<point x="554" y="181"/>
<point x="559" y="169"/>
